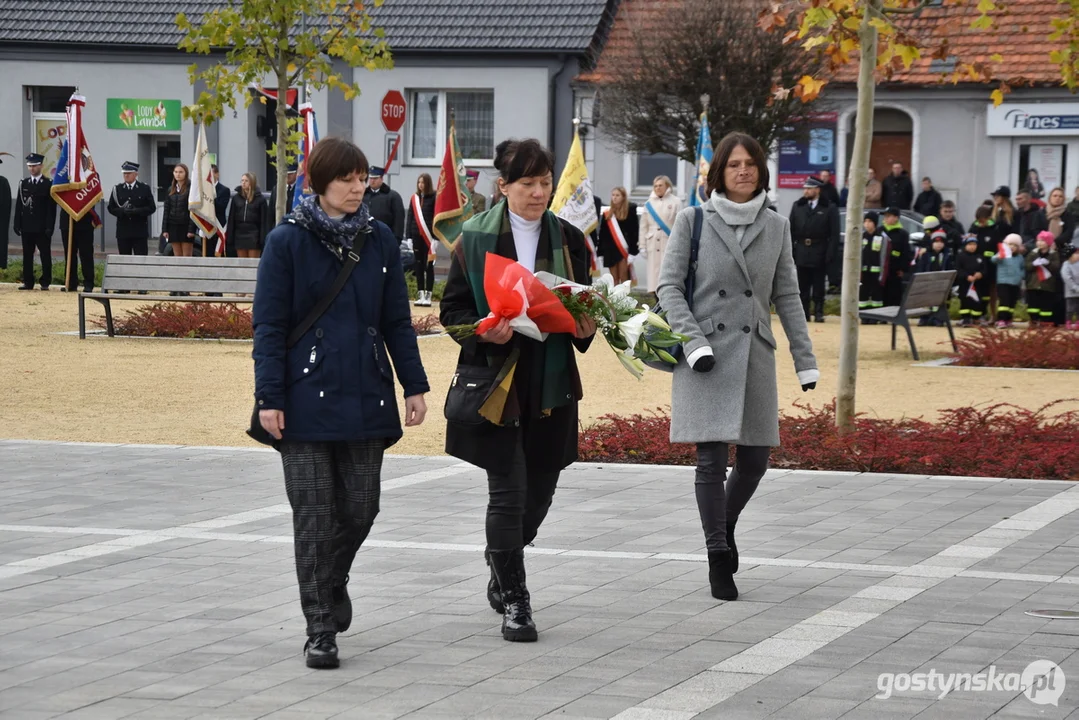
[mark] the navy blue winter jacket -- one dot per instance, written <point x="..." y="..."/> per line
<point x="336" y="383"/>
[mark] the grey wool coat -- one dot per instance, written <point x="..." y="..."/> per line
<point x="737" y="402"/>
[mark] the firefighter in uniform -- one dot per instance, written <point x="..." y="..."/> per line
<point x="479" y="202"/>
<point x="35" y="219"/>
<point x="875" y="255"/>
<point x="815" y="234"/>
<point x="84" y="250"/>
<point x="132" y="202"/>
<point x="899" y="257"/>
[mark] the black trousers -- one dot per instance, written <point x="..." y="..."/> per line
<point x="1007" y="299"/>
<point x="333" y="488"/>
<point x="43" y="244"/>
<point x="84" y="255"/>
<point x="424" y="271"/>
<point x="517" y="504"/>
<point x="721" y="499"/>
<point x="132" y="246"/>
<point x="811" y="286"/>
<point x="1040" y="305"/>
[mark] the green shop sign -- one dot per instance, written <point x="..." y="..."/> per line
<point x="131" y="114"/>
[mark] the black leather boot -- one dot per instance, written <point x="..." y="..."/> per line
<point x="509" y="567"/>
<point x="494" y="597"/>
<point x="720" y="575"/>
<point x="733" y="547"/>
<point x="342" y="606"/>
<point x="321" y="651"/>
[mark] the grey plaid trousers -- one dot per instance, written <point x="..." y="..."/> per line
<point x="333" y="488"/>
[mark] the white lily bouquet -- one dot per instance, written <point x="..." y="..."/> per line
<point x="633" y="331"/>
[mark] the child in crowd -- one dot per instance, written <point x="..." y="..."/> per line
<point x="1010" y="269"/>
<point x="875" y="257"/>
<point x="969" y="267"/>
<point x="937" y="258"/>
<point x="1069" y="273"/>
<point x="1043" y="271"/>
<point x="989" y="238"/>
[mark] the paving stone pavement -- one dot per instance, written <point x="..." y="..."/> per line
<point x="157" y="583"/>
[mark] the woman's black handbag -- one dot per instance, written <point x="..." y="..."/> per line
<point x="255" y="431"/>
<point x="470" y="388"/>
<point x="691" y="285"/>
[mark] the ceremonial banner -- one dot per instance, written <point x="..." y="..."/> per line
<point x="704" y="162"/>
<point x="309" y="127"/>
<point x="76" y="186"/>
<point x="200" y="199"/>
<point x="573" y="200"/>
<point x="453" y="203"/>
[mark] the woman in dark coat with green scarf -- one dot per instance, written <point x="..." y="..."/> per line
<point x="528" y="434"/>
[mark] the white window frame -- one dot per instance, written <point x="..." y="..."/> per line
<point x="629" y="174"/>
<point x="441" y="128"/>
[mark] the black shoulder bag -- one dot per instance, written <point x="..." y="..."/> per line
<point x="691" y="285"/>
<point x="258" y="433"/>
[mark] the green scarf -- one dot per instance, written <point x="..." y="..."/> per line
<point x="481" y="235"/>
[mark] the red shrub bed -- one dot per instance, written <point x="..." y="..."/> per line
<point x="185" y="320"/>
<point x="995" y="441"/>
<point x="1039" y="347"/>
<point x="426" y="324"/>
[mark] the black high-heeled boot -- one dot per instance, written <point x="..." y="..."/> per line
<point x="509" y="567"/>
<point x="494" y="597"/>
<point x="720" y="576"/>
<point x="733" y="547"/>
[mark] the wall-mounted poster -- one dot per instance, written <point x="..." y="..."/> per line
<point x="808" y="155"/>
<point x="49" y="131"/>
<point x="142" y="114"/>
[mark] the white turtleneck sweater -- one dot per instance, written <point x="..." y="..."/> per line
<point x="526" y="235"/>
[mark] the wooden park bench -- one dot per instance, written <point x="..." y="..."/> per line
<point x="128" y="275"/>
<point x="924" y="293"/>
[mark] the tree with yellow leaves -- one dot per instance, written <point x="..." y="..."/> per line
<point x="295" y="42"/>
<point x="886" y="36"/>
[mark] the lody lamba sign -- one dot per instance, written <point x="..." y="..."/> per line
<point x="1033" y="119"/>
<point x="141" y="114"/>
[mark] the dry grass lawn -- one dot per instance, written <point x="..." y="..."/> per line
<point x="57" y="387"/>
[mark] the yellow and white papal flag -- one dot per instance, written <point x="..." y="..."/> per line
<point x="573" y="196"/>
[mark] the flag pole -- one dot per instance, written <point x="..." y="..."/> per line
<point x="70" y="248"/>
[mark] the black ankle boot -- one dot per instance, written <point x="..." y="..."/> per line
<point x="342" y="606"/>
<point x="509" y="568"/>
<point x="720" y="575"/>
<point x="321" y="651"/>
<point x="733" y="547"/>
<point x="494" y="597"/>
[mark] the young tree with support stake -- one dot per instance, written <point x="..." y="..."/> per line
<point x="295" y="42"/>
<point x="886" y="38"/>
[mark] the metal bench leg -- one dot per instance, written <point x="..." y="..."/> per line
<point x="893" y="335"/>
<point x="108" y="317"/>
<point x="948" y="323"/>
<point x="910" y="337"/>
<point x="82" y="317"/>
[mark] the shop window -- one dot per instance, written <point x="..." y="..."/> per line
<point x="1041" y="168"/>
<point x="51" y="98"/>
<point x="474" y="112"/>
<point x="651" y="165"/>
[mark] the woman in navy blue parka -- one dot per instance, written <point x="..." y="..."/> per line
<point x="330" y="399"/>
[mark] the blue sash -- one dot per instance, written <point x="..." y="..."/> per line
<point x="655" y="216"/>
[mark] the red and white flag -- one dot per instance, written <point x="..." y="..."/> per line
<point x="200" y="199"/>
<point x="1043" y="272"/>
<point x="972" y="293"/>
<point x="616" y="233"/>
<point x="421" y="223"/>
<point x="1004" y="250"/>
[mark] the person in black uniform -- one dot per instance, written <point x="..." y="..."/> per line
<point x="132" y="203"/>
<point x="815" y="235"/>
<point x="384" y="204"/>
<point x="900" y="257"/>
<point x="84" y="250"/>
<point x="5" y="214"/>
<point x="874" y="265"/>
<point x="290" y="189"/>
<point x="35" y="219"/>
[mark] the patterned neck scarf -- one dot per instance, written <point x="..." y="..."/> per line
<point x="336" y="235"/>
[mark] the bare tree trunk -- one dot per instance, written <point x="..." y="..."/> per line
<point x="281" y="115"/>
<point x="852" y="250"/>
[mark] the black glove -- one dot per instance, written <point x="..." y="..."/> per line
<point x="704" y="364"/>
<point x="809" y="386"/>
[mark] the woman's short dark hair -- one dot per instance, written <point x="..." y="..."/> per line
<point x="723" y="154"/>
<point x="334" y="158"/>
<point x="516" y="159"/>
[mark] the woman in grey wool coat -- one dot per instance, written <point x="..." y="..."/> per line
<point x="725" y="391"/>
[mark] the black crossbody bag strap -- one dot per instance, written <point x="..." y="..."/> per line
<point x="694" y="253"/>
<point x="351" y="259"/>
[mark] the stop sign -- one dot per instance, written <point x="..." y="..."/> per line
<point x="393" y="111"/>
